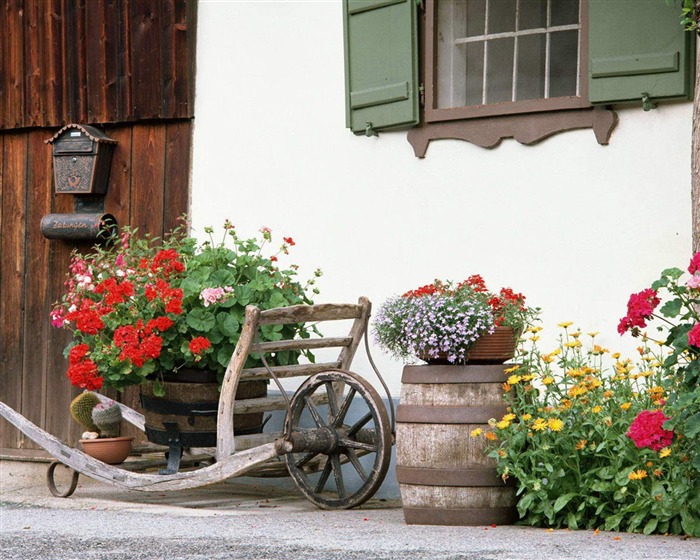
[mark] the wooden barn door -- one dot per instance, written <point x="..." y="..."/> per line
<point x="148" y="189"/>
<point x="126" y="66"/>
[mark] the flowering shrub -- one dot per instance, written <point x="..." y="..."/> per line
<point x="678" y="323"/>
<point x="146" y="305"/>
<point x="443" y="318"/>
<point x="584" y="438"/>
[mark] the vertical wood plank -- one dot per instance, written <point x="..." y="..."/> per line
<point x="112" y="31"/>
<point x="70" y="59"/>
<point x="95" y="61"/>
<point x="81" y="77"/>
<point x="166" y="17"/>
<point x="144" y="18"/>
<point x="37" y="305"/>
<point x="125" y="107"/>
<point x="51" y="63"/>
<point x="148" y="176"/>
<point x="12" y="102"/>
<point x="118" y="199"/>
<point x="177" y="173"/>
<point x="33" y="47"/>
<point x="13" y="256"/>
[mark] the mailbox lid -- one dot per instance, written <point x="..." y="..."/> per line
<point x="74" y="142"/>
<point x="78" y="138"/>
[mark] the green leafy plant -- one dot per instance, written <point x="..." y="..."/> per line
<point x="586" y="440"/>
<point x="144" y="306"/>
<point x="446" y="318"/>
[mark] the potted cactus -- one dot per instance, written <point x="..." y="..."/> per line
<point x="101" y="419"/>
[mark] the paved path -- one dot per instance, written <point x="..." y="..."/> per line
<point x="245" y="520"/>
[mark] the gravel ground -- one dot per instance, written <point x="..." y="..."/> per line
<point x="248" y="520"/>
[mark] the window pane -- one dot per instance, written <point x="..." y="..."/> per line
<point x="475" y="73"/>
<point x="532" y="14"/>
<point x="565" y="12"/>
<point x="563" y="59"/>
<point x="476" y="17"/>
<point x="501" y="16"/>
<point x="499" y="70"/>
<point x="531" y="61"/>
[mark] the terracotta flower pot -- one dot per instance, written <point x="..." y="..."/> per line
<point x="112" y="451"/>
<point x="495" y="348"/>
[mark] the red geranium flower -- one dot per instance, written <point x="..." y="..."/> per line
<point x="199" y="345"/>
<point x="646" y="430"/>
<point x="640" y="307"/>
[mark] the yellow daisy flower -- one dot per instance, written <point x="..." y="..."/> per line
<point x="476" y="432"/>
<point x="665" y="452"/>
<point x="565" y="324"/>
<point x="637" y="475"/>
<point x="555" y="424"/>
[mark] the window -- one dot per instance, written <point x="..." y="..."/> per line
<point x="493" y="69"/>
<point x="506" y="51"/>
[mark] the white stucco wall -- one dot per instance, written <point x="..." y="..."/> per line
<point x="574" y="225"/>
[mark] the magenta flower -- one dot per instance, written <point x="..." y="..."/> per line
<point x="646" y="430"/>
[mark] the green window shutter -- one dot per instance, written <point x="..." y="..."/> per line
<point x="381" y="64"/>
<point x="638" y="48"/>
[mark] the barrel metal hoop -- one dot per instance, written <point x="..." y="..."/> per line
<point x="427" y="414"/>
<point x="163" y="406"/>
<point x="425" y="476"/>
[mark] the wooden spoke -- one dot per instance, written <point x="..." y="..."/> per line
<point x="305" y="459"/>
<point x="314" y="412"/>
<point x="324" y="477"/>
<point x="338" y="474"/>
<point x="354" y="444"/>
<point x="360" y="423"/>
<point x="356" y="463"/>
<point x="332" y="403"/>
<point x="340" y="418"/>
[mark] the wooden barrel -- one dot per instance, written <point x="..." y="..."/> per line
<point x="192" y="406"/>
<point x="444" y="476"/>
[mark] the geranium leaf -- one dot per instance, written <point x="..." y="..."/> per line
<point x="228" y="324"/>
<point x="201" y="320"/>
<point x="671" y="308"/>
<point x="222" y="277"/>
<point x="692" y="426"/>
<point x="673" y="273"/>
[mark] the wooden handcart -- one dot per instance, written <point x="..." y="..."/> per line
<point x="336" y="463"/>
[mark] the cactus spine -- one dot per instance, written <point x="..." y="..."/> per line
<point x="107" y="415"/>
<point x="81" y="409"/>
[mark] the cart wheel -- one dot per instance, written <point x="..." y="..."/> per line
<point x="354" y="448"/>
<point x="51" y="482"/>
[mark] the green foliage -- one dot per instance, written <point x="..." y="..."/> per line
<point x="564" y="440"/>
<point x="690" y="15"/>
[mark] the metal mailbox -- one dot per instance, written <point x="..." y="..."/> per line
<point x="82" y="156"/>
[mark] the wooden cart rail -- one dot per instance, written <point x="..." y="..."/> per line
<point x="330" y="441"/>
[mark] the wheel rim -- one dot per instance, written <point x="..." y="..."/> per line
<point x="358" y="439"/>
